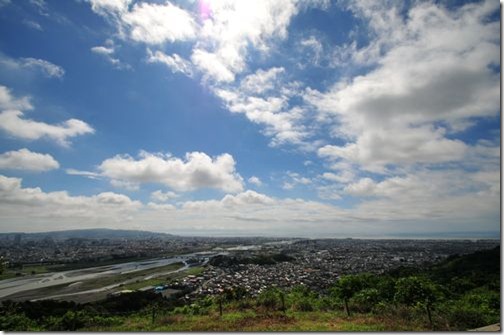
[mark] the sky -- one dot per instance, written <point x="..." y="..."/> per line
<point x="284" y="118"/>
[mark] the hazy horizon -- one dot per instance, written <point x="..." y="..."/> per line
<point x="398" y="235"/>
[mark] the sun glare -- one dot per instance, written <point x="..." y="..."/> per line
<point x="205" y="10"/>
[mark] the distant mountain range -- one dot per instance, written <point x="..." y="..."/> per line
<point x="100" y="233"/>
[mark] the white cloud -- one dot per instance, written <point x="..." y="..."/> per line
<point x="315" y="46"/>
<point x="32" y="65"/>
<point x="364" y="187"/>
<point x="32" y="24"/>
<point x="159" y="23"/>
<point x="255" y="181"/>
<point x="212" y="66"/>
<point x="7" y="101"/>
<point x="295" y="179"/>
<point x="149" y="23"/>
<point x="161" y="207"/>
<point x="437" y="64"/>
<point x="102" y="50"/>
<point x="108" y="53"/>
<point x="451" y="200"/>
<point x="263" y="98"/>
<point x="196" y="170"/>
<point x="88" y="174"/>
<point x="376" y="148"/>
<point x="232" y="27"/>
<point x="174" y="62"/>
<point x="13" y="123"/>
<point x="104" y="7"/>
<point x="432" y="196"/>
<point x="41" y="7"/>
<point x="160" y="196"/>
<point x="125" y="184"/>
<point x="25" y="159"/>
<point x="342" y="177"/>
<point x="49" y="69"/>
<point x="261" y="81"/>
<point x="50" y="210"/>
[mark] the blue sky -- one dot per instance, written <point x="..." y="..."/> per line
<point x="306" y="118"/>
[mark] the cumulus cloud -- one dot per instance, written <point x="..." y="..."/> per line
<point x="174" y="62"/>
<point x="232" y="27"/>
<point x="13" y="123"/>
<point x="156" y="207"/>
<point x="25" y="159"/>
<point x="261" y="81"/>
<point x="196" y="170"/>
<point x="148" y="23"/>
<point x="8" y="101"/>
<point x="344" y="176"/>
<point x="110" y="7"/>
<point x="255" y="181"/>
<point x="451" y="200"/>
<point x="43" y="208"/>
<point x="375" y="149"/>
<point x="156" y="24"/>
<point x="160" y="196"/>
<point x="294" y="179"/>
<point x="212" y="66"/>
<point x="431" y="195"/>
<point x="438" y="69"/>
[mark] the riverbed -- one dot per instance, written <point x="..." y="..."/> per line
<point x="13" y="286"/>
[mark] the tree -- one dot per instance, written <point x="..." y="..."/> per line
<point x="415" y="290"/>
<point x="346" y="287"/>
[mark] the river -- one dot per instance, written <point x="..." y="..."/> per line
<point x="26" y="283"/>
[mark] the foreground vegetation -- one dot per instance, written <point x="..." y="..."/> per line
<point x="461" y="293"/>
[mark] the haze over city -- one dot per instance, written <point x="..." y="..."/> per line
<point x="280" y="118"/>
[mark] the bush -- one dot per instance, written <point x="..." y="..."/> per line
<point x="302" y="299"/>
<point x="17" y="322"/>
<point x="270" y="298"/>
<point x="463" y="316"/>
<point x="366" y="299"/>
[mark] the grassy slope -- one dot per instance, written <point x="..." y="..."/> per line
<point x="252" y="321"/>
